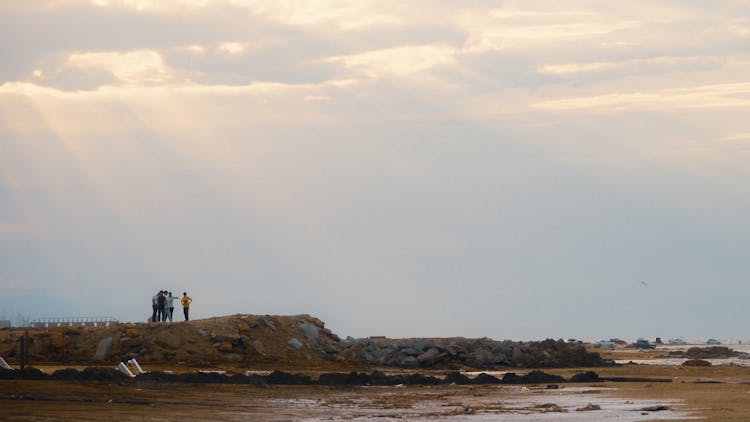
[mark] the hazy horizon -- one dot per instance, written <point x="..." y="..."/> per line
<point x="504" y="169"/>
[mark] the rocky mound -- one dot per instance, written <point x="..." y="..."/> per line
<point x="235" y="339"/>
<point x="696" y="362"/>
<point x="482" y="353"/>
<point x="299" y="341"/>
<point x="714" y="352"/>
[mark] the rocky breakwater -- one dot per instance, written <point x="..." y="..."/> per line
<point x="482" y="353"/>
<point x="714" y="352"/>
<point x="299" y="341"/>
<point x="237" y="339"/>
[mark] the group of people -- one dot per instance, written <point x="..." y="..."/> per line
<point x="163" y="305"/>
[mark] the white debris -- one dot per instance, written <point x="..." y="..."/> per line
<point x="125" y="370"/>
<point x="136" y="366"/>
<point x="4" y="364"/>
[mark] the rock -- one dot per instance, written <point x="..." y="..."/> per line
<point x="484" y="378"/>
<point x="130" y="342"/>
<point x="133" y="332"/>
<point x="429" y="357"/>
<point x="225" y="346"/>
<point x="244" y="341"/>
<point x="268" y="324"/>
<point x="588" y="376"/>
<point x="533" y="377"/>
<point x="457" y="378"/>
<point x="103" y="348"/>
<point x="656" y="408"/>
<point x="311" y="332"/>
<point x="589" y="407"/>
<point x="258" y="347"/>
<point x="280" y="377"/>
<point x="539" y="377"/>
<point x="696" y="362"/>
<point x="330" y="347"/>
<point x="409" y="362"/>
<point x="550" y="407"/>
<point x="244" y="327"/>
<point x="296" y="344"/>
<point x="481" y="359"/>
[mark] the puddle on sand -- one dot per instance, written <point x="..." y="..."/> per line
<point x="507" y="403"/>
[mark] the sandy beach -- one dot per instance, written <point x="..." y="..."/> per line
<point x="716" y="393"/>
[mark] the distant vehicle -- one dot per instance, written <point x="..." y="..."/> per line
<point x="605" y="343"/>
<point x="676" y="341"/>
<point x="642" y="343"/>
<point x="574" y="341"/>
<point x="712" y="341"/>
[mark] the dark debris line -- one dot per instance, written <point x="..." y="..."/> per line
<point x="327" y="379"/>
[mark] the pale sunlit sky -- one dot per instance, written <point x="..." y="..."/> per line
<point x="511" y="169"/>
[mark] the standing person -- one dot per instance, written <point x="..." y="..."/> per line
<point x="154" y="307"/>
<point x="170" y="305"/>
<point x="186" y="304"/>
<point x="161" y="304"/>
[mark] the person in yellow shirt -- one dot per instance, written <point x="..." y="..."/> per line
<point x="186" y="304"/>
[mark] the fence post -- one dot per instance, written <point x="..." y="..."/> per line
<point x="23" y="352"/>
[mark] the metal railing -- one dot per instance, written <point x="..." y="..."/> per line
<point x="98" y="321"/>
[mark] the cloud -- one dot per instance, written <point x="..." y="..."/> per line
<point x="732" y="95"/>
<point x="744" y="136"/>
<point x="342" y="15"/>
<point x="402" y="61"/>
<point x="231" y="47"/>
<point x="636" y="66"/>
<point x="514" y="29"/>
<point x="366" y="148"/>
<point x="564" y="68"/>
<point x="131" y="67"/>
<point x="192" y="49"/>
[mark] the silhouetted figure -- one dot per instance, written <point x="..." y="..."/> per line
<point x="154" y="307"/>
<point x="161" y="306"/>
<point x="170" y="305"/>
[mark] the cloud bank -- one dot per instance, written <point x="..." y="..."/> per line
<point x="428" y="168"/>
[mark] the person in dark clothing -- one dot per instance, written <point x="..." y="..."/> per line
<point x="154" y="307"/>
<point x="170" y="305"/>
<point x="161" y="305"/>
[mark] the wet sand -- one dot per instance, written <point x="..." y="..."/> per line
<point x="714" y="393"/>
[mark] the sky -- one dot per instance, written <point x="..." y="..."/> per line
<point x="509" y="169"/>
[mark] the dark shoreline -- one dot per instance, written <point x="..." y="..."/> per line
<point x="375" y="378"/>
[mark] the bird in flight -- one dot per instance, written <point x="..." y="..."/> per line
<point x="644" y="284"/>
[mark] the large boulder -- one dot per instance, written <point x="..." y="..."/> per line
<point x="258" y="347"/>
<point x="296" y="343"/>
<point x="430" y="357"/>
<point x="311" y="333"/>
<point x="103" y="348"/>
<point x="410" y="362"/>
